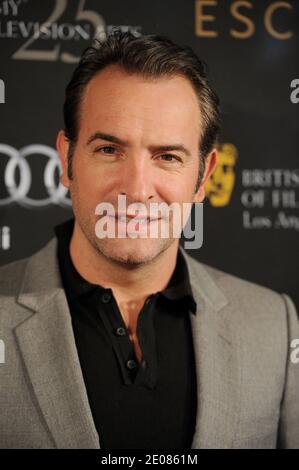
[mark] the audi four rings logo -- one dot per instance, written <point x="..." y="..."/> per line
<point x="18" y="187"/>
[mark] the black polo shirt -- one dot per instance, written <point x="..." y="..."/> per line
<point x="135" y="405"/>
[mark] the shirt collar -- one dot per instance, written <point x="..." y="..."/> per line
<point x="178" y="289"/>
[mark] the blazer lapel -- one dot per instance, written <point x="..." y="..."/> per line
<point x="50" y="356"/>
<point x="216" y="358"/>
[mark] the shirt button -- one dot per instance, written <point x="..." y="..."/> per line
<point x="106" y="297"/>
<point x="131" y="364"/>
<point x="120" y="331"/>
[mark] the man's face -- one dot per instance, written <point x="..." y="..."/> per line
<point x="134" y="119"/>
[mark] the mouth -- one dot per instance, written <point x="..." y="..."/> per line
<point x="138" y="220"/>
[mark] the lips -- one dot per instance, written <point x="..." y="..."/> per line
<point x="140" y="220"/>
<point x="137" y="220"/>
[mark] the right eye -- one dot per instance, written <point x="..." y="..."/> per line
<point x="106" y="149"/>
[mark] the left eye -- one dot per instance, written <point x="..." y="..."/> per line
<point x="169" y="156"/>
<point x="106" y="149"/>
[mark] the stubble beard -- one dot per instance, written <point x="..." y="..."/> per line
<point x="130" y="255"/>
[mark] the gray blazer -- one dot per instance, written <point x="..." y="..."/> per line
<point x="248" y="389"/>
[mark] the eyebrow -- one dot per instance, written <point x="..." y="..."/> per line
<point x="108" y="137"/>
<point x="117" y="140"/>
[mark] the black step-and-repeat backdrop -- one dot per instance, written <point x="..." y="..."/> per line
<point x="251" y="213"/>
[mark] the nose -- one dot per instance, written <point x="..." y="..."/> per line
<point x="137" y="181"/>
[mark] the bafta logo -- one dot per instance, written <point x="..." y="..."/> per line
<point x="220" y="186"/>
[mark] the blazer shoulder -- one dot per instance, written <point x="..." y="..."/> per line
<point x="236" y="282"/>
<point x="11" y="275"/>
<point x="40" y="270"/>
<point x="255" y="300"/>
<point x="233" y="283"/>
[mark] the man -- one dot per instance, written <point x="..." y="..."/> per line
<point x="122" y="342"/>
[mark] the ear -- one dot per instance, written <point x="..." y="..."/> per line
<point x="210" y="165"/>
<point x="62" y="146"/>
